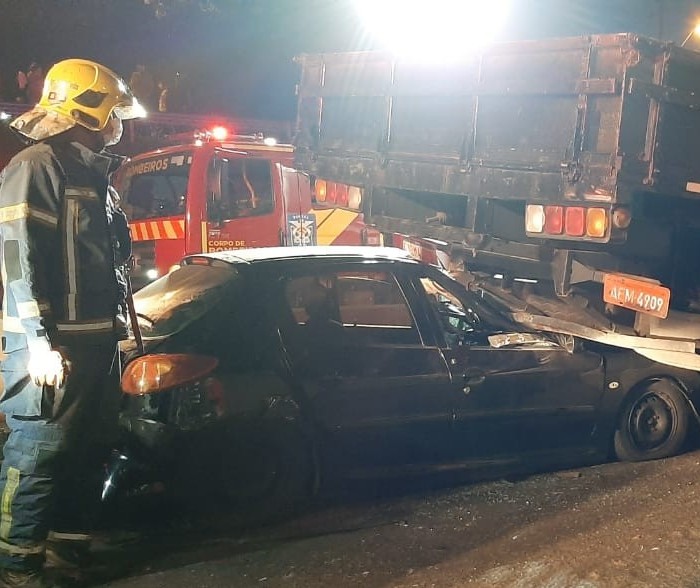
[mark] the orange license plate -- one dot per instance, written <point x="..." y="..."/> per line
<point x="636" y="295"/>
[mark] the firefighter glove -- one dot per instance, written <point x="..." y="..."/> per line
<point x="45" y="367"/>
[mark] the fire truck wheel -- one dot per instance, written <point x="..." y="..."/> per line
<point x="654" y="422"/>
<point x="268" y="475"/>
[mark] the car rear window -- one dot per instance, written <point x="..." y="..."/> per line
<point x="176" y="300"/>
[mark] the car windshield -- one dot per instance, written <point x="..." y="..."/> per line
<point x="176" y="300"/>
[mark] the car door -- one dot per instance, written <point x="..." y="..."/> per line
<point x="528" y="396"/>
<point x="378" y="392"/>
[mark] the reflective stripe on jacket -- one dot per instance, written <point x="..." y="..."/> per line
<point x="57" y="249"/>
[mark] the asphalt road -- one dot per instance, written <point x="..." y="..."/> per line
<point x="609" y="526"/>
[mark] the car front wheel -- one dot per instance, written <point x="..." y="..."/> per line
<point x="654" y="422"/>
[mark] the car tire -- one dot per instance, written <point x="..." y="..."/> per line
<point x="267" y="475"/>
<point x="654" y="422"/>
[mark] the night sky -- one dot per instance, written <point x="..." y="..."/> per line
<point x="238" y="60"/>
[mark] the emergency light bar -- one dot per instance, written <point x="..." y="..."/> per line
<point x="221" y="134"/>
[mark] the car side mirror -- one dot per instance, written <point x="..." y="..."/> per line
<point x="459" y="327"/>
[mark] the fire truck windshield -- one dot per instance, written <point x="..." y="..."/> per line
<point x="156" y="186"/>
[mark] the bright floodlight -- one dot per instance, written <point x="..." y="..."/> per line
<point x="433" y="30"/>
<point x="694" y="32"/>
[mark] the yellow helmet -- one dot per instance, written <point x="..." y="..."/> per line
<point x="78" y="91"/>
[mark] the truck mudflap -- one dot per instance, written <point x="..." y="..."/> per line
<point x="673" y="352"/>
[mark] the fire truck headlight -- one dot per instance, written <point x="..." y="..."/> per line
<point x="152" y="274"/>
<point x="441" y="30"/>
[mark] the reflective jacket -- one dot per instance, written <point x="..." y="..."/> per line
<point x="59" y="246"/>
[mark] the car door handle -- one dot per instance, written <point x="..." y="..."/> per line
<point x="474" y="377"/>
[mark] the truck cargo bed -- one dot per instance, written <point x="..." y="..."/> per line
<point x="587" y="118"/>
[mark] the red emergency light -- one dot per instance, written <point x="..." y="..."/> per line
<point x="219" y="133"/>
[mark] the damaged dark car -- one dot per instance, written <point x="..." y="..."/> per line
<point x="270" y="372"/>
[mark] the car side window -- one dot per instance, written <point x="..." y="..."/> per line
<point x="357" y="306"/>
<point x="456" y="318"/>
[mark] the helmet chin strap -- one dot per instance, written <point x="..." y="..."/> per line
<point x="112" y="133"/>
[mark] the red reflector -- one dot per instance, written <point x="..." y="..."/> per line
<point x="553" y="220"/>
<point x="575" y="221"/>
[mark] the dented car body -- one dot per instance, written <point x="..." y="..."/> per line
<point x="269" y="372"/>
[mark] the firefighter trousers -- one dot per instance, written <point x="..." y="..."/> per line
<point x="51" y="472"/>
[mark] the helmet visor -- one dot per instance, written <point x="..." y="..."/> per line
<point x="130" y="110"/>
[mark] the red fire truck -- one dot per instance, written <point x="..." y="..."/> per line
<point x="216" y="194"/>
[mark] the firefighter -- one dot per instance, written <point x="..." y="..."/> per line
<point x="62" y="244"/>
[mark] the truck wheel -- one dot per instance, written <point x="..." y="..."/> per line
<point x="268" y="475"/>
<point x="654" y="423"/>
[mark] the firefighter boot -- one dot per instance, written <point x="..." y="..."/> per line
<point x="68" y="552"/>
<point x="17" y="579"/>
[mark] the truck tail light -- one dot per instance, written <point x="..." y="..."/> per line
<point x="321" y="190"/>
<point x="554" y="220"/>
<point x="575" y="221"/>
<point x="534" y="218"/>
<point x="341" y="194"/>
<point x="158" y="372"/>
<point x="570" y="221"/>
<point x="596" y="222"/>
<point x="354" y="198"/>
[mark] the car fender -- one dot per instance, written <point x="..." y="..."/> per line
<point x="626" y="372"/>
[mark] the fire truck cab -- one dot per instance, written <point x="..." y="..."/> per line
<point x="217" y="194"/>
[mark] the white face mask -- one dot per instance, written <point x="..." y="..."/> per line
<point x="112" y="133"/>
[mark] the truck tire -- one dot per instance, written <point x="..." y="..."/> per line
<point x="654" y="422"/>
<point x="268" y="475"/>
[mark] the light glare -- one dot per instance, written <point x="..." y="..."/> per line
<point x="219" y="133"/>
<point x="437" y="31"/>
